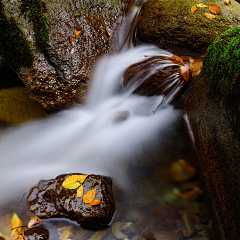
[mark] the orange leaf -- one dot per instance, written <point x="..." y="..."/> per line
<point x="108" y="33"/>
<point x="178" y="59"/>
<point x="94" y="202"/>
<point x="195" y="65"/>
<point x="77" y="33"/>
<point x="33" y="221"/>
<point x="61" y="48"/>
<point x="184" y="72"/>
<point x="228" y="2"/>
<point x="209" y="15"/>
<point x="89" y="196"/>
<point x="193" y="9"/>
<point x="214" y="8"/>
<point x="71" y="41"/>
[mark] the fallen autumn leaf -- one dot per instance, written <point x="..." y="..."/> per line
<point x="209" y="15"/>
<point x="193" y="9"/>
<point x="214" y="8"/>
<point x="89" y="196"/>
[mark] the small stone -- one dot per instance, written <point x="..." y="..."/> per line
<point x="147" y="234"/>
<point x="181" y="171"/>
<point x="36" y="233"/>
<point x="121" y="116"/>
<point x="51" y="199"/>
<point x="129" y="228"/>
<point x="116" y="231"/>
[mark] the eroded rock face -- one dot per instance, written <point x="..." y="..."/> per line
<point x="60" y="73"/>
<point x="170" y="24"/>
<point x="51" y="199"/>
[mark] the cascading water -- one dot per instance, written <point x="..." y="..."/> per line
<point x="116" y="133"/>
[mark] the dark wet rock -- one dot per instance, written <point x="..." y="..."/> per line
<point x="170" y="24"/>
<point x="36" y="233"/>
<point x="153" y="78"/>
<point x="16" y="107"/>
<point x="1" y="238"/>
<point x="213" y="121"/>
<point x="50" y="199"/>
<point x="59" y="76"/>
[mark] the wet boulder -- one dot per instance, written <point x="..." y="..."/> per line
<point x="51" y="199"/>
<point x="36" y="233"/>
<point x="170" y="24"/>
<point x="52" y="45"/>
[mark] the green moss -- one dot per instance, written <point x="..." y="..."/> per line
<point x="14" y="47"/>
<point x="222" y="60"/>
<point x="35" y="10"/>
<point x="221" y="70"/>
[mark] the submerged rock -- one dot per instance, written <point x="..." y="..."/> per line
<point x="16" y="107"/>
<point x="36" y="233"/>
<point x="65" y="38"/>
<point x="170" y="24"/>
<point x="51" y="199"/>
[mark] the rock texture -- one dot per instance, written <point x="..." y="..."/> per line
<point x="170" y="24"/>
<point x="60" y="73"/>
<point x="218" y="151"/>
<point x="51" y="199"/>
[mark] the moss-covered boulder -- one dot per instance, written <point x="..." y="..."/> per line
<point x="59" y="42"/>
<point x="170" y="24"/>
<point x="213" y="112"/>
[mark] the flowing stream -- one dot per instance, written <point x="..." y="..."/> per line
<point x="116" y="133"/>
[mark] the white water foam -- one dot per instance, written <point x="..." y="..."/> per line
<point x="87" y="139"/>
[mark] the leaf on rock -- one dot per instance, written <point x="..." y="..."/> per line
<point x="214" y="8"/>
<point x="80" y="191"/>
<point x="178" y="59"/>
<point x="77" y="33"/>
<point x="108" y="33"/>
<point x="71" y="182"/>
<point x="209" y="15"/>
<point x="89" y="196"/>
<point x="184" y="72"/>
<point x="81" y="178"/>
<point x="196" y="66"/>
<point x="66" y="233"/>
<point x="201" y="5"/>
<point x="94" y="202"/>
<point x="193" y="9"/>
<point x="16" y="224"/>
<point x="33" y="221"/>
<point x="228" y="2"/>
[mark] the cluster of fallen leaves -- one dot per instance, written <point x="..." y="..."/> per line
<point x="213" y="8"/>
<point x="188" y="67"/>
<point x="17" y="227"/>
<point x="76" y="181"/>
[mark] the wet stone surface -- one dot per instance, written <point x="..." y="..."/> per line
<point x="36" y="233"/>
<point x="51" y="199"/>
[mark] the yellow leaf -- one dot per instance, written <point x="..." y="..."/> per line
<point x="94" y="202"/>
<point x="16" y="224"/>
<point x="89" y="196"/>
<point x="66" y="232"/>
<point x="74" y="181"/>
<point x="71" y="182"/>
<point x="81" y="178"/>
<point x="209" y="15"/>
<point x="80" y="191"/>
<point x="33" y="221"/>
<point x="201" y="5"/>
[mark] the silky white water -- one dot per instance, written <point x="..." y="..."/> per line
<point x="88" y="139"/>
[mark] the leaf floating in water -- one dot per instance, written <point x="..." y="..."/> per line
<point x="214" y="8"/>
<point x="193" y="9"/>
<point x="66" y="233"/>
<point x="80" y="191"/>
<point x="77" y="33"/>
<point x="71" y="40"/>
<point x="89" y="196"/>
<point x="33" y="221"/>
<point x="228" y="2"/>
<point x="201" y="5"/>
<point x="16" y="224"/>
<point x="209" y="15"/>
<point x="94" y="202"/>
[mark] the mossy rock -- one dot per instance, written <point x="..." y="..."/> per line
<point x="16" y="107"/>
<point x="221" y="71"/>
<point x="170" y="24"/>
